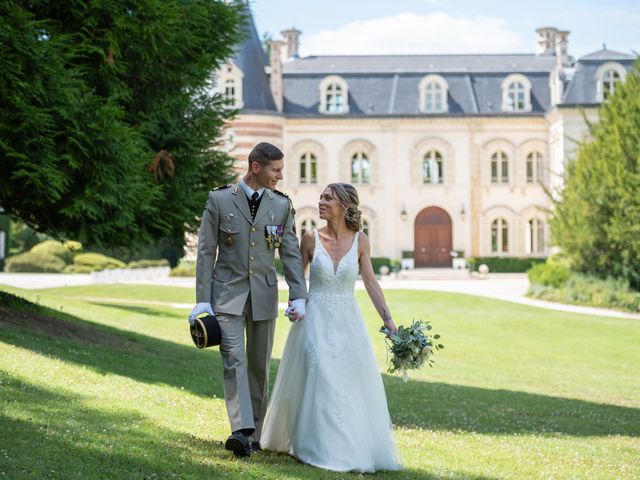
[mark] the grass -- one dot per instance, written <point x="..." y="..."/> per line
<point x="96" y="389"/>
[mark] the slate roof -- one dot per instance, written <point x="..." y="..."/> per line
<point x="388" y="84"/>
<point x="342" y="64"/>
<point x="582" y="88"/>
<point x="609" y="55"/>
<point x="251" y="59"/>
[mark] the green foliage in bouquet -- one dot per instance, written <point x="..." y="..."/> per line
<point x="411" y="347"/>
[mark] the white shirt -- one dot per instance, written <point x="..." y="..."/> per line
<point x="249" y="191"/>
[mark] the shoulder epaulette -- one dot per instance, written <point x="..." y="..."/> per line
<point x="281" y="193"/>
<point x="222" y="187"/>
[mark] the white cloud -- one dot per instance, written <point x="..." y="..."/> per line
<point x="409" y="33"/>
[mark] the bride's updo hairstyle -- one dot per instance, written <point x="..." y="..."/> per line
<point x="348" y="198"/>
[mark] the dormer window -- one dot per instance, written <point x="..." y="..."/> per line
<point x="609" y="80"/>
<point x="230" y="90"/>
<point x="516" y="94"/>
<point x="334" y="95"/>
<point x="434" y="92"/>
<point x="607" y="77"/>
<point x="229" y="85"/>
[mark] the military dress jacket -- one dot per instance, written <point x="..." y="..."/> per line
<point x="236" y="253"/>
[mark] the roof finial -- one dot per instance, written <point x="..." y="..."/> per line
<point x="604" y="46"/>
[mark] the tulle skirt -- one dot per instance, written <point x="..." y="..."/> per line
<point x="328" y="407"/>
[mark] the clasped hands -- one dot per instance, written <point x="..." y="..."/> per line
<point x="296" y="309"/>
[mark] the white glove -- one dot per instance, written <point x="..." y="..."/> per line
<point x="296" y="306"/>
<point x="204" y="307"/>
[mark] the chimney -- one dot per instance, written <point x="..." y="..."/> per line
<point x="292" y="38"/>
<point x="546" y="40"/>
<point x="562" y="47"/>
<point x="275" y="77"/>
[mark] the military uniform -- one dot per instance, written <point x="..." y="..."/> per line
<point x="235" y="273"/>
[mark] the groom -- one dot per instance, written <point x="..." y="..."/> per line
<point x="241" y="228"/>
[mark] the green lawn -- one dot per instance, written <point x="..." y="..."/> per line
<point x="117" y="390"/>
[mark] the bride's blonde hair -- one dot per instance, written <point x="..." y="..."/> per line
<point x="348" y="198"/>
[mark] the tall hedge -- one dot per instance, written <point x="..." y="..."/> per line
<point x="107" y="124"/>
<point x="597" y="218"/>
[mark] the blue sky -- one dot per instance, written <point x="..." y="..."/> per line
<point x="456" y="26"/>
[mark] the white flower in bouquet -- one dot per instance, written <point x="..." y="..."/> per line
<point x="411" y="347"/>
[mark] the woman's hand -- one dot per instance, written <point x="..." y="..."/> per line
<point x="390" y="326"/>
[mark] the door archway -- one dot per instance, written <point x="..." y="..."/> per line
<point x="432" y="239"/>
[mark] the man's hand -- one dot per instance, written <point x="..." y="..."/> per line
<point x="296" y="309"/>
<point x="204" y="307"/>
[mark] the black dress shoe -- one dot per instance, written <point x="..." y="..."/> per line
<point x="238" y="444"/>
<point x="254" y="447"/>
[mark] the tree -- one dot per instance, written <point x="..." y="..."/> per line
<point x="107" y="124"/>
<point x="597" y="218"/>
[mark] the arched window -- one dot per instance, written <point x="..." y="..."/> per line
<point x="433" y="98"/>
<point x="534" y="167"/>
<point x="516" y="97"/>
<point x="307" y="225"/>
<point x="433" y="94"/>
<point x="308" y="168"/>
<point x="499" y="167"/>
<point x="230" y="91"/>
<point x="334" y="99"/>
<point x="334" y="95"/>
<point x="535" y="236"/>
<point x="229" y="85"/>
<point x="360" y="168"/>
<point x="609" y="80"/>
<point x="516" y="94"/>
<point x="432" y="169"/>
<point x="499" y="236"/>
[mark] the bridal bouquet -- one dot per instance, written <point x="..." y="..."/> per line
<point x="411" y="347"/>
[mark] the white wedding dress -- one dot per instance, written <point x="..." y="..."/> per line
<point x="328" y="407"/>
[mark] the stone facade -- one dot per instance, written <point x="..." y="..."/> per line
<point x="447" y="152"/>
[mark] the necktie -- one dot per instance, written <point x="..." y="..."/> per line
<point x="253" y="204"/>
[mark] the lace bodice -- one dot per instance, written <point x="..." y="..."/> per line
<point x="323" y="280"/>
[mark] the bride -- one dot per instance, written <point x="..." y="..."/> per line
<point x="328" y="407"/>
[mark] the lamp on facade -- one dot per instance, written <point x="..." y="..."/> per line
<point x="403" y="215"/>
<point x="463" y="213"/>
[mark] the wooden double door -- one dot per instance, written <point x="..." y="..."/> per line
<point x="432" y="239"/>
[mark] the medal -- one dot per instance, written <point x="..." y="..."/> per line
<point x="273" y="234"/>
<point x="229" y="240"/>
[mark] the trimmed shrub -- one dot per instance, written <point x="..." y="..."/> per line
<point x="34" y="262"/>
<point x="377" y="262"/>
<point x="588" y="290"/>
<point x="147" y="263"/>
<point x="97" y="261"/>
<point x="73" y="246"/>
<point x="53" y="247"/>
<point x="77" y="269"/>
<point x="549" y="274"/>
<point x="505" y="264"/>
<point x="184" y="269"/>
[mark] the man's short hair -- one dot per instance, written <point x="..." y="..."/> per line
<point x="263" y="153"/>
